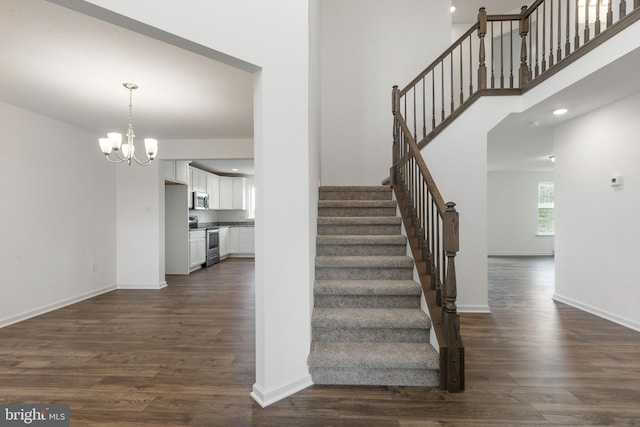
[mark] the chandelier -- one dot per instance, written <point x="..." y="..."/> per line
<point x="126" y="152"/>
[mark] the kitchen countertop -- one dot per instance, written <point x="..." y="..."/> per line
<point x="207" y="225"/>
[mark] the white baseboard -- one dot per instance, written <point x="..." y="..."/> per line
<point x="160" y="285"/>
<point x="474" y="309"/>
<point x="266" y="398"/>
<point x="631" y="324"/>
<point x="50" y="307"/>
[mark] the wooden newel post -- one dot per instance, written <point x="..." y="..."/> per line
<point x="395" y="148"/>
<point x="450" y="318"/>
<point x="482" y="31"/>
<point x="525" y="72"/>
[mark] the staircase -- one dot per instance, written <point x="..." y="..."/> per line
<point x="367" y="325"/>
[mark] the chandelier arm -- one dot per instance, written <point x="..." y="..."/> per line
<point x="119" y="160"/>
<point x="142" y="162"/>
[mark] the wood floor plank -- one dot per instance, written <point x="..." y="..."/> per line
<point x="185" y="355"/>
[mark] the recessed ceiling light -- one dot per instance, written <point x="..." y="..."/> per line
<point x="234" y="170"/>
<point x="560" y="111"/>
<point x="453" y="9"/>
<point x="535" y="124"/>
<point x="552" y="158"/>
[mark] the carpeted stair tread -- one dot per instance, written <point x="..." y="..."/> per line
<point x="355" y="188"/>
<point x="380" y="239"/>
<point x="355" y="193"/>
<point x="364" y="261"/>
<point x="370" y="318"/>
<point x="373" y="355"/>
<point x="356" y="203"/>
<point x="367" y="287"/>
<point x="359" y="220"/>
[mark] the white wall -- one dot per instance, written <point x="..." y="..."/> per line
<point x="457" y="159"/>
<point x="513" y="214"/>
<point x="597" y="247"/>
<point x="367" y="46"/>
<point x="189" y="149"/>
<point x="57" y="217"/>
<point x="140" y="222"/>
<point x="273" y="35"/>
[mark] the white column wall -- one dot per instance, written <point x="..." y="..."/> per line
<point x="140" y="222"/>
<point x="513" y="213"/>
<point x="597" y="230"/>
<point x="457" y="159"/>
<point x="368" y="46"/>
<point x="273" y="35"/>
<point x="57" y="218"/>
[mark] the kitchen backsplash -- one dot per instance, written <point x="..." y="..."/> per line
<point x="220" y="216"/>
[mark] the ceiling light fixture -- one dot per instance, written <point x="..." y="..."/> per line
<point x="560" y="111"/>
<point x="452" y="9"/>
<point x="552" y="158"/>
<point x="125" y="153"/>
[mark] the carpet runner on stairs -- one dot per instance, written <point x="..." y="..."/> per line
<point x="367" y="325"/>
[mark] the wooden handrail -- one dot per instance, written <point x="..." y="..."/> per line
<point x="439" y="59"/>
<point x="462" y="75"/>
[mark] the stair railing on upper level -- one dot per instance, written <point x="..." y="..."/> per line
<point x="524" y="50"/>
<point x="507" y="55"/>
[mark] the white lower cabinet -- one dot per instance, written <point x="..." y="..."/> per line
<point x="242" y="242"/>
<point x="224" y="242"/>
<point x="197" y="249"/>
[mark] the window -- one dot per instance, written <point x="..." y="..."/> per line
<point x="545" y="208"/>
<point x="252" y="202"/>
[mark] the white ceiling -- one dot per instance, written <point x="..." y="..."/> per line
<point x="70" y="66"/>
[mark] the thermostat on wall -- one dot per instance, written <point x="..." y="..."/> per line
<point x="616" y="180"/>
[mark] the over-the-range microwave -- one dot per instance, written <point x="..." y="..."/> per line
<point x="200" y="200"/>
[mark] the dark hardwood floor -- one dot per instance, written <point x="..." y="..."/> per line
<point x="184" y="355"/>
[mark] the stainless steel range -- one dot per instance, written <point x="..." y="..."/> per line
<point x="213" y="246"/>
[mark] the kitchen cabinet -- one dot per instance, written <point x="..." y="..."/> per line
<point x="224" y="242"/>
<point x="226" y="193"/>
<point x="198" y="180"/>
<point x="242" y="242"/>
<point x="238" y="187"/>
<point x="197" y="249"/>
<point x="233" y="192"/>
<point x="213" y="190"/>
<point x="175" y="171"/>
<point x="182" y="171"/>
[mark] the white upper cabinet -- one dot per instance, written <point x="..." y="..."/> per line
<point x="213" y="189"/>
<point x="226" y="193"/>
<point x="239" y="189"/>
<point x="233" y="193"/>
<point x="182" y="171"/>
<point x="198" y="180"/>
<point x="175" y="171"/>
